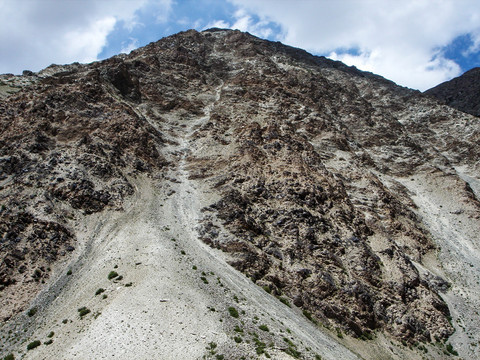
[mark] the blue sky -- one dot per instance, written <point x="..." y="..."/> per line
<point x="416" y="43"/>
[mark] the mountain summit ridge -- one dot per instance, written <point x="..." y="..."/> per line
<point x="341" y="194"/>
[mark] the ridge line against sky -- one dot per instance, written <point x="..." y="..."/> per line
<point x="416" y="43"/>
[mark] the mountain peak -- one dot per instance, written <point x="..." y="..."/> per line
<point x="220" y="193"/>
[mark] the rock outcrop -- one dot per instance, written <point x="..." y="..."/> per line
<point x="461" y="93"/>
<point x="310" y="163"/>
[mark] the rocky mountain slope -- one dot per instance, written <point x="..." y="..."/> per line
<point x="462" y="93"/>
<point x="214" y="194"/>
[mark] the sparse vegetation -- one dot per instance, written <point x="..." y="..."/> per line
<point x="237" y="339"/>
<point x="309" y="316"/>
<point x="83" y="311"/>
<point x="450" y="349"/>
<point x="285" y="301"/>
<point x="33" y="345"/>
<point x="339" y="333"/>
<point x="264" y="327"/>
<point x="233" y="312"/>
<point x="238" y="329"/>
<point x="204" y="279"/>
<point x="99" y="291"/>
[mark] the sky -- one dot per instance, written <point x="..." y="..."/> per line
<point x="416" y="43"/>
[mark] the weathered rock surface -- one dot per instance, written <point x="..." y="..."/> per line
<point x="313" y="170"/>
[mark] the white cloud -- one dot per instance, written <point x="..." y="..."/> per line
<point x="34" y="34"/>
<point x="243" y="21"/>
<point x="397" y="39"/>
<point x="131" y="45"/>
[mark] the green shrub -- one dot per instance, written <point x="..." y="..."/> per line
<point x="112" y="275"/>
<point x="263" y="327"/>
<point x="33" y="344"/>
<point x="451" y="350"/>
<point x="9" y="357"/>
<point x="48" y="342"/>
<point x="129" y="284"/>
<point x="83" y="311"/>
<point x="32" y="311"/>
<point x="204" y="279"/>
<point x="233" y="312"/>
<point x="339" y="333"/>
<point x="238" y="329"/>
<point x="99" y="291"/>
<point x="309" y="316"/>
<point x="237" y="339"/>
<point x="285" y="301"/>
<point x="194" y="267"/>
<point x="50" y="335"/>
<point x="69" y="272"/>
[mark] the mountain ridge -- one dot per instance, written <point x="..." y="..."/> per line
<point x="316" y="174"/>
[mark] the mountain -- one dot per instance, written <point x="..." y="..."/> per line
<point x="462" y="93"/>
<point x="216" y="195"/>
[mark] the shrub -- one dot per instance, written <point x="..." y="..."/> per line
<point x="451" y="350"/>
<point x="50" y="335"/>
<point x="99" y="291"/>
<point x="263" y="327"/>
<point x="238" y="339"/>
<point x="9" y="357"/>
<point x="69" y="272"/>
<point x="83" y="311"/>
<point x="32" y="311"/>
<point x="309" y="316"/>
<point x="33" y="344"/>
<point x="204" y="279"/>
<point x="48" y="342"/>
<point x="233" y="312"/>
<point x="285" y="301"/>
<point x="238" y="329"/>
<point x="129" y="284"/>
<point x="112" y="275"/>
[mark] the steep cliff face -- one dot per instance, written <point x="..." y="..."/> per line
<point x="334" y="190"/>
<point x="461" y="93"/>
